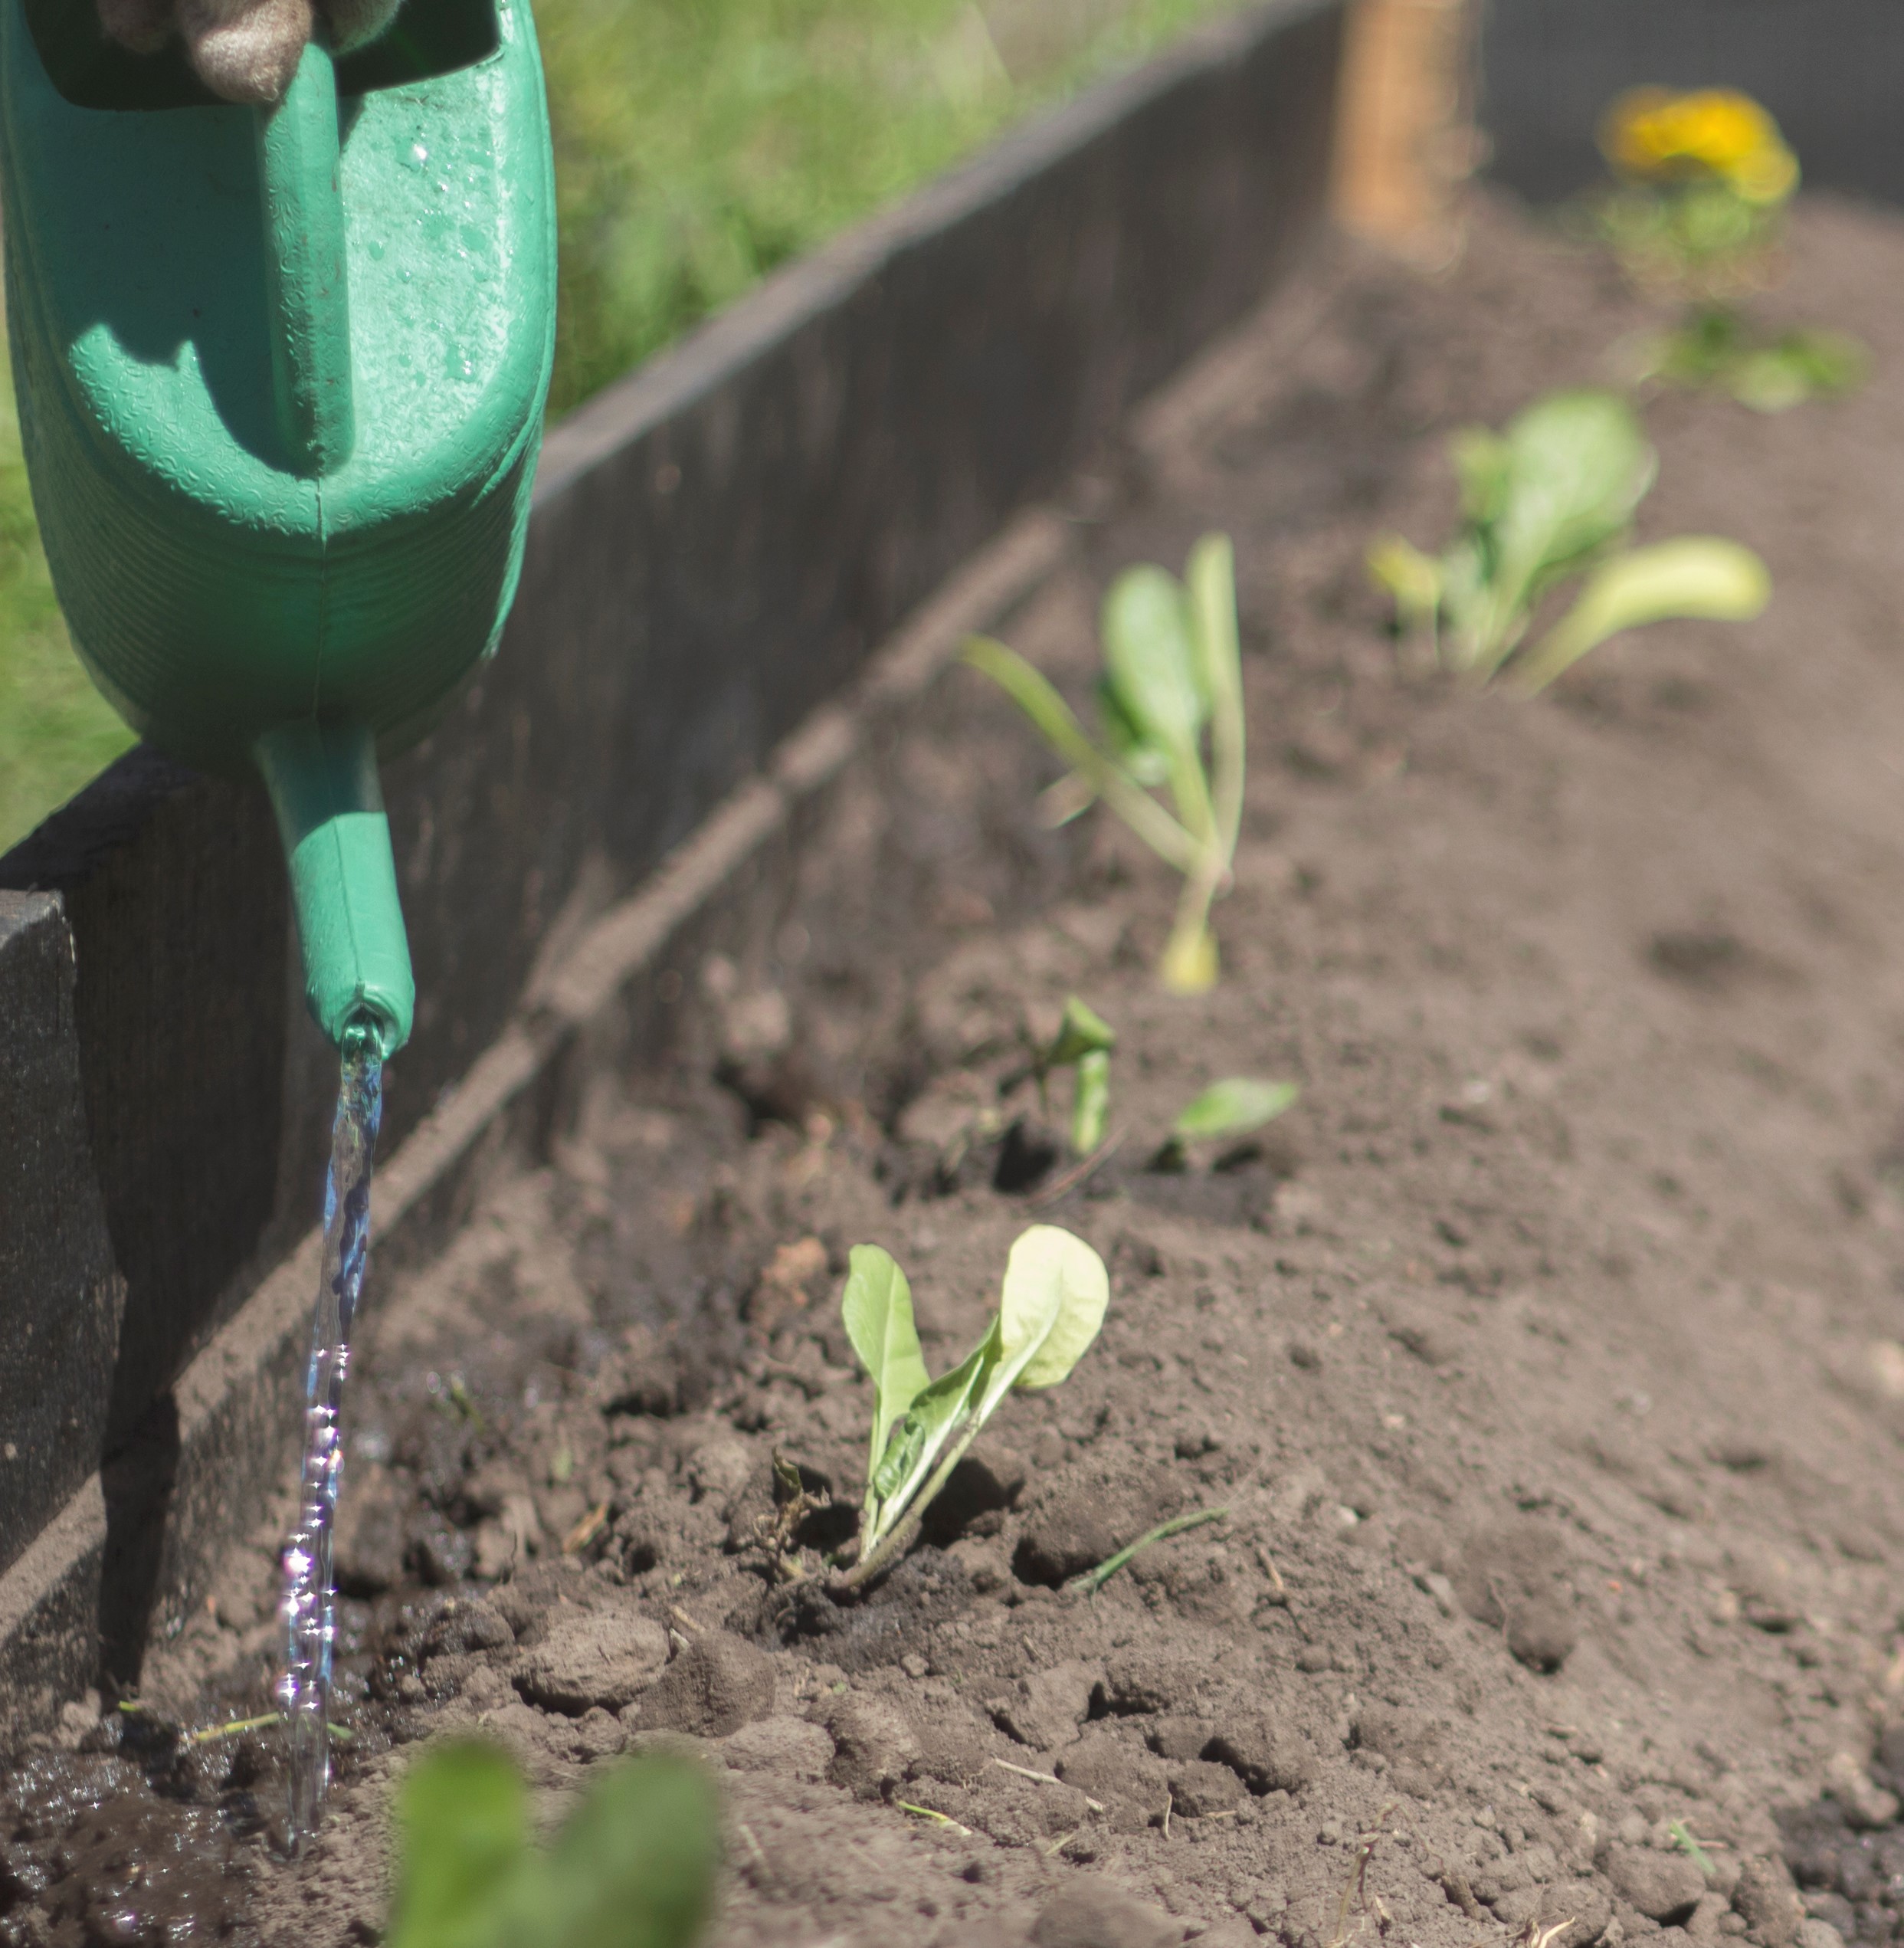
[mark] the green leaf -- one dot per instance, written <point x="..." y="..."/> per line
<point x="462" y="1842"/>
<point x="635" y="1865"/>
<point x="1697" y="576"/>
<point x="1801" y="366"/>
<point x="1081" y="1032"/>
<point x="1091" y="1101"/>
<point x="1050" y="1308"/>
<point x="1150" y="659"/>
<point x="1233" y="1108"/>
<point x="876" y="1310"/>
<point x="1124" y="738"/>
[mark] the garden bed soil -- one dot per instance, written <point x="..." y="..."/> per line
<point x="1545" y="1359"/>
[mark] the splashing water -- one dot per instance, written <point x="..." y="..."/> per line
<point x="307" y="1609"/>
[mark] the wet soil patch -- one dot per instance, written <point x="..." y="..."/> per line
<point x="1547" y="1361"/>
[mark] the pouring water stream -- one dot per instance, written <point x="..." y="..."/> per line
<point x="307" y="1607"/>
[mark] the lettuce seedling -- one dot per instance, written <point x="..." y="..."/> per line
<point x="1051" y="1306"/>
<point x="1552" y="498"/>
<point x="634" y="1866"/>
<point x="1172" y="676"/>
<point x="1083" y="1044"/>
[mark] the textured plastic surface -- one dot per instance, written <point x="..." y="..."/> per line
<point x="322" y="780"/>
<point x="281" y="382"/>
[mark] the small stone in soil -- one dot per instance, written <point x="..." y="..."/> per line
<point x="1769" y="1903"/>
<point x="1199" y="1788"/>
<point x="1049" y="1705"/>
<point x="1171" y="1737"/>
<point x="1584" y="1908"/>
<point x="1268" y="1757"/>
<point x="465" y="1625"/>
<point x="1665" y="1888"/>
<point x="1120" y="1774"/>
<point x="718" y="1684"/>
<point x="588" y="1657"/>
<point x="1511" y="1580"/>
<point x="1147" y="1681"/>
<point x="792" y="1747"/>
<point x="873" y="1745"/>
<point x="1094" y="1914"/>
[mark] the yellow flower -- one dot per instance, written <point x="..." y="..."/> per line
<point x="1712" y="132"/>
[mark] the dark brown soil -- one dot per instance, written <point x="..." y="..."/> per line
<point x="1546" y="1360"/>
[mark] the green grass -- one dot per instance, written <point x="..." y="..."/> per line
<point x="699" y="144"/>
<point x="56" y="730"/>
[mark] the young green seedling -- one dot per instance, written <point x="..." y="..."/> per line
<point x="1083" y="1044"/>
<point x="1172" y="675"/>
<point x="1552" y="498"/>
<point x="1051" y="1306"/>
<point x="1234" y="1107"/>
<point x="1714" y="347"/>
<point x="634" y="1866"/>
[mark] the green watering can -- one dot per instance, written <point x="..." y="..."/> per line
<point x="281" y="375"/>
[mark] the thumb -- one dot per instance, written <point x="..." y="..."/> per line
<point x="246" y="49"/>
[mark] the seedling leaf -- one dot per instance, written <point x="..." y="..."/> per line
<point x="1091" y="1101"/>
<point x="633" y="1866"/>
<point x="876" y="1310"/>
<point x="1150" y="660"/>
<point x="1698" y="575"/>
<point x="1092" y="1581"/>
<point x="463" y="1841"/>
<point x="1053" y="1277"/>
<point x="1082" y="1032"/>
<point x="1234" y="1107"/>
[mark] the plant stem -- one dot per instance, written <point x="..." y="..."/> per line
<point x="1212" y="580"/>
<point x="1189" y="962"/>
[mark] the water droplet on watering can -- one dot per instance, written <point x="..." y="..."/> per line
<point x="375" y="248"/>
<point x="418" y="156"/>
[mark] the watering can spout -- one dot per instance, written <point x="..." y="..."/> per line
<point x="306" y="283"/>
<point x="322" y="780"/>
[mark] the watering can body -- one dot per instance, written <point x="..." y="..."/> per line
<point x="281" y="377"/>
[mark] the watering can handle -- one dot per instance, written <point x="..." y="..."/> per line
<point x="305" y="278"/>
